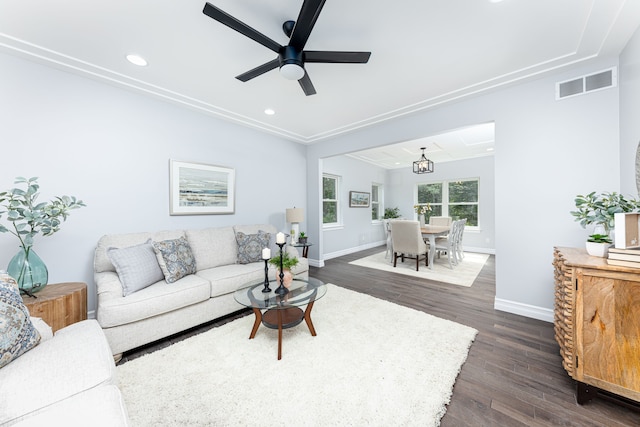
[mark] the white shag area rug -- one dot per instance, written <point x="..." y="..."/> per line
<point x="463" y="274"/>
<point x="372" y="363"/>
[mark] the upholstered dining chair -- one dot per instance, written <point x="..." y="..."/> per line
<point x="407" y="242"/>
<point x="440" y="220"/>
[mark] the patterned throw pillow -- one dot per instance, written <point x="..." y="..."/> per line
<point x="17" y="333"/>
<point x="175" y="258"/>
<point x="137" y="266"/>
<point x="250" y="246"/>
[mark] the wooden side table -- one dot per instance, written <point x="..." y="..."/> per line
<point x="59" y="304"/>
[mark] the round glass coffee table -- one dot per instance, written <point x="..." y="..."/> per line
<point x="281" y="311"/>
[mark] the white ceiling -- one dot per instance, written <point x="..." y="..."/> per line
<point x="424" y="53"/>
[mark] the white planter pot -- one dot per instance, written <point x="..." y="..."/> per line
<point x="598" y="249"/>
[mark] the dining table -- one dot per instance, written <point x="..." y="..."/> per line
<point x="431" y="232"/>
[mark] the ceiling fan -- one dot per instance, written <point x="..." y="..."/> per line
<point x="292" y="57"/>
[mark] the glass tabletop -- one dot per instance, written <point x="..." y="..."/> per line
<point x="301" y="292"/>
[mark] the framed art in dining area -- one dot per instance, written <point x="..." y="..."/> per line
<point x="359" y="199"/>
<point x="200" y="189"/>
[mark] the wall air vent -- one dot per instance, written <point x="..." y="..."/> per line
<point x="592" y="82"/>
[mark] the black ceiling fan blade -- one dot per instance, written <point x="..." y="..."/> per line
<point x="259" y="70"/>
<point x="306" y="85"/>
<point x="336" y="57"/>
<point x="231" y="22"/>
<point x="304" y="24"/>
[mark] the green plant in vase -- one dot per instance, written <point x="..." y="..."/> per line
<point x="28" y="218"/>
<point x="302" y="237"/>
<point x="600" y="209"/>
<point x="288" y="261"/>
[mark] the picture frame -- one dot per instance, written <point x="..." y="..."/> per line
<point x="359" y="199"/>
<point x="201" y="189"/>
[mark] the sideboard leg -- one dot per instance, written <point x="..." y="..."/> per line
<point x="585" y="393"/>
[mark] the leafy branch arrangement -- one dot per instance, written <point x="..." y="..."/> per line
<point x="288" y="261"/>
<point x="30" y="218"/>
<point x="601" y="208"/>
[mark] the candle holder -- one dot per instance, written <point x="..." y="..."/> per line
<point x="266" y="277"/>
<point x="281" y="290"/>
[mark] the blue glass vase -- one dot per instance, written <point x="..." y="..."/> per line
<point x="28" y="269"/>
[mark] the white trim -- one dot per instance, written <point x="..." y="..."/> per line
<point x="526" y="310"/>
<point x="91" y="314"/>
<point x="352" y="250"/>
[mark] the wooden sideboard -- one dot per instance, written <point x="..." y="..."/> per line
<point x="59" y="304"/>
<point x="597" y="323"/>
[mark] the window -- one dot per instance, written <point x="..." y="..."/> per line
<point x="376" y="202"/>
<point x="457" y="199"/>
<point x="330" y="203"/>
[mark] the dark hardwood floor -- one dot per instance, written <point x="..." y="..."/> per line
<point x="513" y="375"/>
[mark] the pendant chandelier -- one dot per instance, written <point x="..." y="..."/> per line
<point x="423" y="165"/>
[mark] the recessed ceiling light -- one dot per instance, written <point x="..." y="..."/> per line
<point x="137" y="60"/>
<point x="269" y="112"/>
<point x="495" y="1"/>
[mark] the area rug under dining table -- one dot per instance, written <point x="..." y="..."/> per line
<point x="372" y="363"/>
<point x="463" y="274"/>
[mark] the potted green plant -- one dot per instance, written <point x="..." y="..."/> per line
<point x="302" y="238"/>
<point x="391" y="213"/>
<point x="287" y="261"/>
<point x="599" y="209"/>
<point x="28" y="219"/>
<point x="598" y="245"/>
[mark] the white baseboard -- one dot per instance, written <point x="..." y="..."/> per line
<point x="352" y="250"/>
<point x="525" y="310"/>
<point x="91" y="314"/>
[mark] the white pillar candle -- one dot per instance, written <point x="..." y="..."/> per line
<point x="266" y="253"/>
<point x="280" y="238"/>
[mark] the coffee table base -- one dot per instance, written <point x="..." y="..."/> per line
<point x="282" y="319"/>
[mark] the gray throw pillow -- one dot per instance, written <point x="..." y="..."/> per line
<point x="250" y="246"/>
<point x="17" y="333"/>
<point x="137" y="266"/>
<point x="175" y="258"/>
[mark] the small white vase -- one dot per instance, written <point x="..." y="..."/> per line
<point x="598" y="249"/>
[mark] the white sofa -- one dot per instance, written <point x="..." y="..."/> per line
<point x="68" y="379"/>
<point x="163" y="309"/>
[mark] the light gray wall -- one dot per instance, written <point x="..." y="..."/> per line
<point x="629" y="107"/>
<point x="401" y="187"/>
<point x="111" y="148"/>
<point x="546" y="152"/>
<point x="357" y="231"/>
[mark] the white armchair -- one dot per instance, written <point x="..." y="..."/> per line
<point x="408" y="242"/>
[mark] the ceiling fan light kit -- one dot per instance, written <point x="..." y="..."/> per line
<point x="292" y="57"/>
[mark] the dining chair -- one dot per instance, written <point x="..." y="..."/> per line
<point x="440" y="220"/>
<point x="387" y="235"/>
<point x="407" y="242"/>
<point x="458" y="243"/>
<point x="448" y="244"/>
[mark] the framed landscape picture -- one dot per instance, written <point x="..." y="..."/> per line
<point x="358" y="199"/>
<point x="199" y="189"/>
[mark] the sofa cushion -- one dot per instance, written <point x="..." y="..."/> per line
<point x="250" y="246"/>
<point x="137" y="266"/>
<point x="154" y="300"/>
<point x="213" y="246"/>
<point x="76" y="359"/>
<point x="17" y="333"/>
<point x="175" y="258"/>
<point x="228" y="278"/>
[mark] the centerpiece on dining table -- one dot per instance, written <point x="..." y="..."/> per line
<point x="421" y="210"/>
